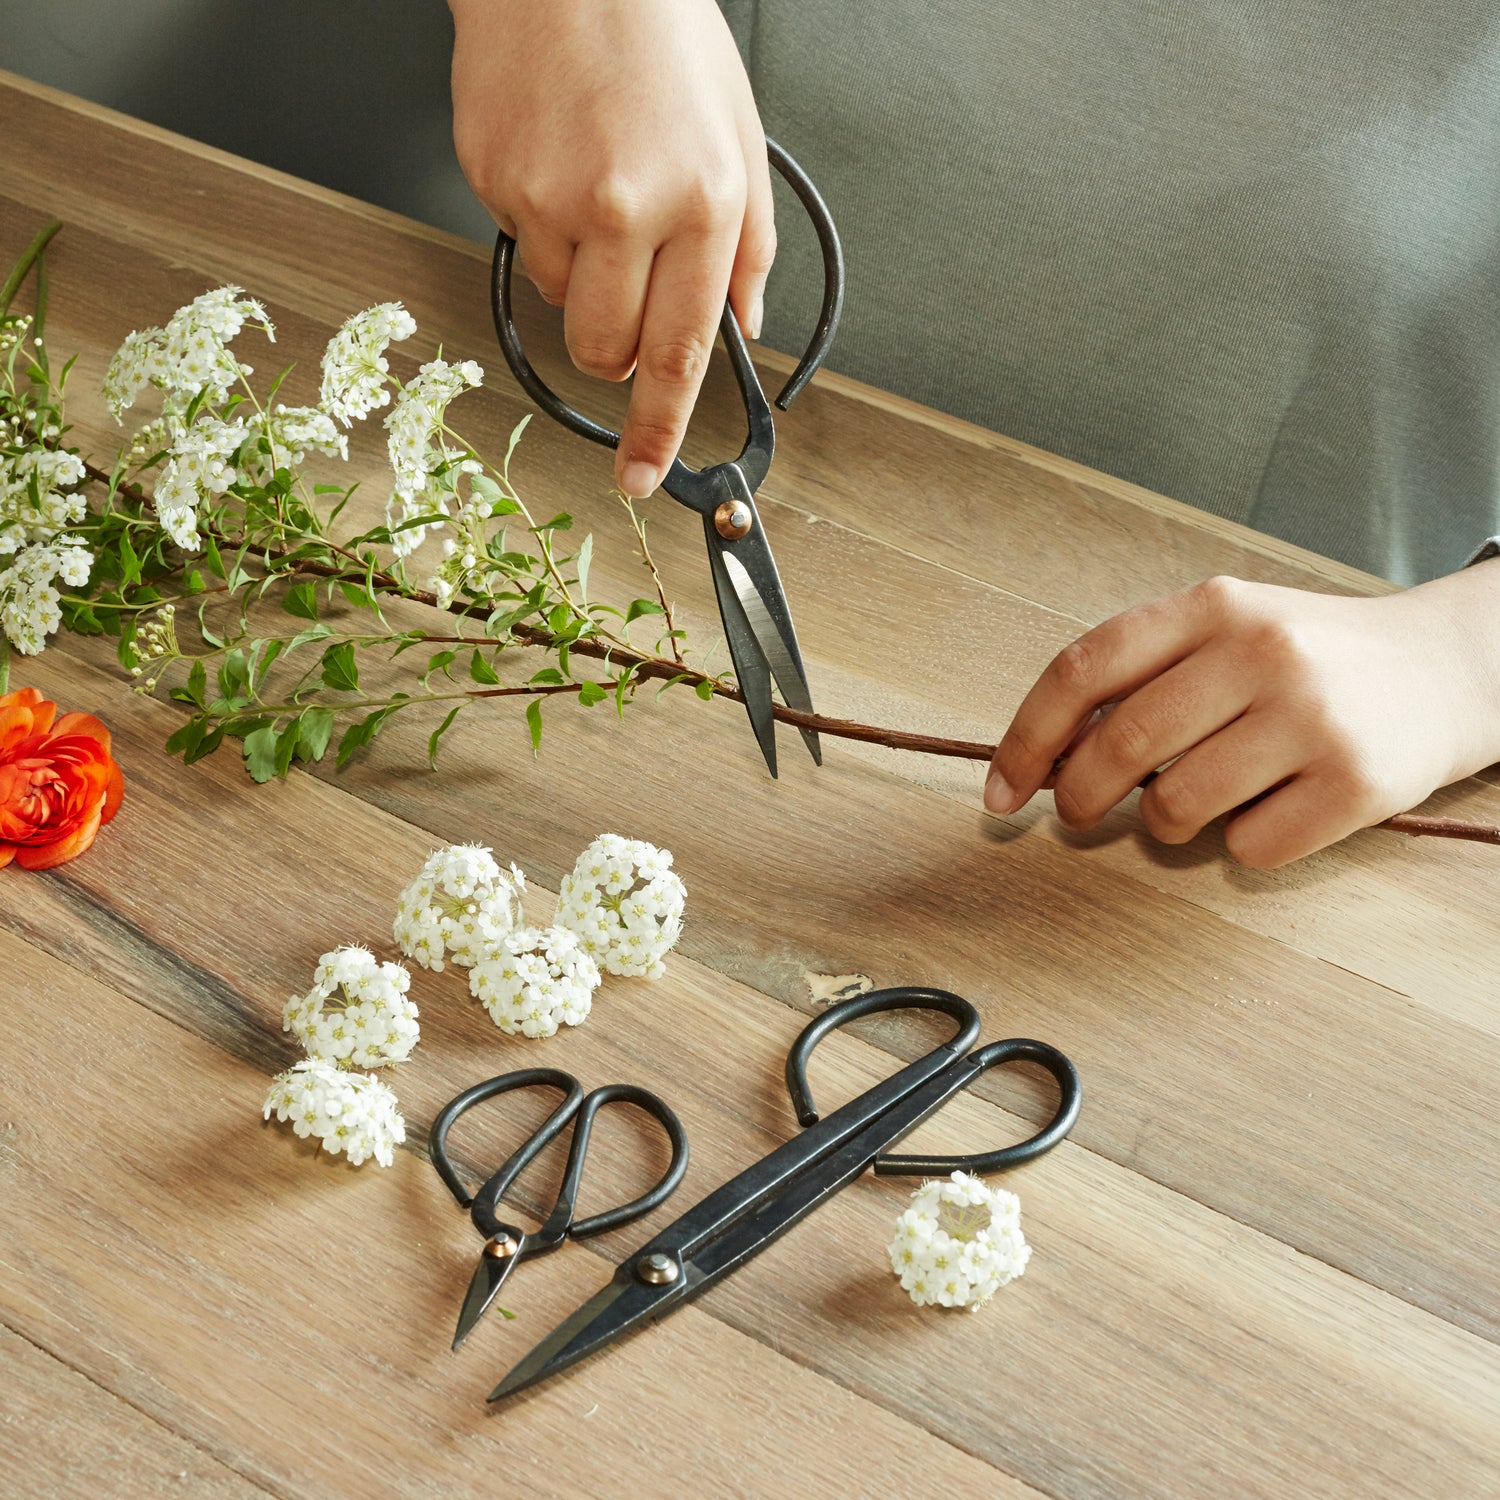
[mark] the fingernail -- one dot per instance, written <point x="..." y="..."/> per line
<point x="757" y="311"/>
<point x="999" y="795"/>
<point x="637" y="479"/>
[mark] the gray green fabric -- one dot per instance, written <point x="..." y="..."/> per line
<point x="1245" y="254"/>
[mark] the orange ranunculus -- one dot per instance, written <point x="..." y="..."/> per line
<point x="58" y="781"/>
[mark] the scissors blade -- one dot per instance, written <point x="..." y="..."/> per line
<point x="781" y="655"/>
<point x="609" y="1314"/>
<point x="484" y="1286"/>
<point x="751" y="670"/>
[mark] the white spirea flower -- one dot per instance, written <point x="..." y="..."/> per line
<point x="354" y="364"/>
<point x="190" y="354"/>
<point x="350" y="1112"/>
<point x="197" y="469"/>
<point x="30" y="605"/>
<point x="460" y="907"/>
<point x="420" y="458"/>
<point x="625" y="902"/>
<point x="36" y="498"/>
<point x="959" y="1242"/>
<point x="291" y="433"/>
<point x="356" y="1014"/>
<point x="535" y="981"/>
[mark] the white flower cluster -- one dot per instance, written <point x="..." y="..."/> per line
<point x="289" y="434"/>
<point x="197" y="470"/>
<point x="190" y="354"/>
<point x="350" y="1112"/>
<point x="357" y="1013"/>
<point x="536" y="980"/>
<point x="625" y="902"/>
<point x="959" y="1242"/>
<point x="30" y="606"/>
<point x="419" y="456"/>
<point x="354" y="365"/>
<point x="461" y="906"/>
<point x="36" y="497"/>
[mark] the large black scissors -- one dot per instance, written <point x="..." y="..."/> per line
<point x="738" y="1220"/>
<point x="752" y="603"/>
<point x="505" y="1244"/>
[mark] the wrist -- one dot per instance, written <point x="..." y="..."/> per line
<point x="1455" y="625"/>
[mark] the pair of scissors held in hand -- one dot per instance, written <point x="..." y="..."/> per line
<point x="752" y="603"/>
<point x="505" y="1244"/>
<point x="738" y="1220"/>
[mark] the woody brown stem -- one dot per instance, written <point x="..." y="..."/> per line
<point x="1414" y="824"/>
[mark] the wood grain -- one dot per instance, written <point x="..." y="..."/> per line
<point x="1266" y="1264"/>
<point x="61" y="1435"/>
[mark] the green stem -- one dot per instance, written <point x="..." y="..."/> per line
<point x="22" y="267"/>
<point x="4" y="664"/>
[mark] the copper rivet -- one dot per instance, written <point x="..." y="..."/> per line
<point x="502" y="1247"/>
<point x="733" y="520"/>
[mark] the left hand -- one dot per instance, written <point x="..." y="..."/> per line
<point x="1312" y="714"/>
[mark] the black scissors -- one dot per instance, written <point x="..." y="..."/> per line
<point x="738" y="1220"/>
<point x="752" y="603"/>
<point x="504" y="1243"/>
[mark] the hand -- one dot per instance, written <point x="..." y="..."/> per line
<point x="1312" y="714"/>
<point x="618" y="142"/>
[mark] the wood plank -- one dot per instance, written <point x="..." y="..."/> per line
<point x="61" y="1435"/>
<point x="1248" y="1365"/>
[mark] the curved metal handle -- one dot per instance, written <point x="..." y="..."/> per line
<point x="761" y="436"/>
<point x="560" y="1225"/>
<point x="437" y="1140"/>
<point x="905" y="997"/>
<point x="1018" y="1049"/>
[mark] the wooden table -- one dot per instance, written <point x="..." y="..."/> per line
<point x="1266" y="1263"/>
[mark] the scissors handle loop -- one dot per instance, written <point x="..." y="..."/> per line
<point x="685" y="484"/>
<point x="560" y="1224"/>
<point x="1017" y="1049"/>
<point x="578" y="1108"/>
<point x="525" y="1078"/>
<point x="905" y="997"/>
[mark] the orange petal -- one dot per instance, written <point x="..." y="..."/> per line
<point x="45" y="856"/>
<point x="7" y="853"/>
<point x="17" y="727"/>
<point x="85" y="724"/>
<point x="27" y="697"/>
<point x="114" y="793"/>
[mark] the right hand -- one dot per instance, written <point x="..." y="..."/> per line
<point x="618" y="142"/>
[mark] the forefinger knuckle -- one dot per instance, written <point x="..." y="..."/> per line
<point x="677" y="360"/>
<point x="1078" y="668"/>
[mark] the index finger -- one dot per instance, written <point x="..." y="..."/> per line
<point x="689" y="282"/>
<point x="1101" y="666"/>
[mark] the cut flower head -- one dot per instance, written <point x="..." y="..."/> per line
<point x="625" y="902"/>
<point x="59" y="783"/>
<point x="535" y="981"/>
<point x="959" y="1242"/>
<point x="353" y="1113"/>
<point x="357" y="1013"/>
<point x="461" y="906"/>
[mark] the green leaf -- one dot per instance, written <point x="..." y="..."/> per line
<point x="439" y="661"/>
<point x="622" y="686"/>
<point x="515" y="437"/>
<point x="206" y="746"/>
<point x="312" y="633"/>
<point x="234" y="675"/>
<point x="439" y="732"/>
<point x="302" y="600"/>
<point x="704" y="689"/>
<point x="481" y="670"/>
<point x="340" y="671"/>
<point x="194" y="580"/>
<point x="562" y="521"/>
<point x="549" y="675"/>
<point x="365" y="730"/>
<point x="639" y="607"/>
<point x="286" y="746"/>
<point x="534" y="723"/>
<point x="315" y="729"/>
<point x="197" y="683"/>
<point x="260" y="753"/>
<point x="188" y="737"/>
<point x="591" y="693"/>
<point x="357" y="594"/>
<point x="211" y="556"/>
<point x="130" y="563"/>
<point x="581" y="562"/>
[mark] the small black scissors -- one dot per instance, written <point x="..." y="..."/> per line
<point x="752" y="603"/>
<point x="505" y="1244"/>
<point x="738" y="1220"/>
